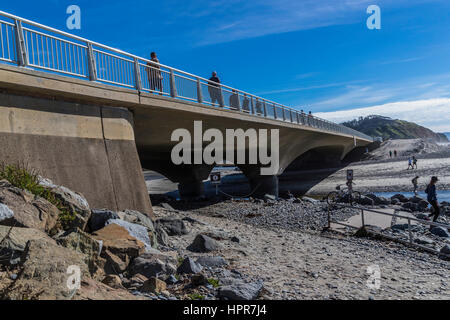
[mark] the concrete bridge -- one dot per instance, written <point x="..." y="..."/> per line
<point x="90" y="117"/>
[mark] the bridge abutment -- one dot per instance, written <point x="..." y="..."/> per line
<point x="87" y="148"/>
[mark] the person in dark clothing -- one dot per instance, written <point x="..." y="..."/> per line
<point x="390" y="154"/>
<point x="234" y="100"/>
<point x="259" y="107"/>
<point x="414" y="164"/>
<point x="395" y="153"/>
<point x="432" y="198"/>
<point x="246" y="104"/>
<point x="214" y="89"/>
<point x="154" y="74"/>
<point x="415" y="183"/>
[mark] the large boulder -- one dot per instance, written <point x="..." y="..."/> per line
<point x="153" y="264"/>
<point x="136" y="217"/>
<point x="119" y="247"/>
<point x="411" y="206"/>
<point x="14" y="241"/>
<point x="153" y="285"/>
<point x="99" y="218"/>
<point x="189" y="266"/>
<point x="378" y="200"/>
<point x="47" y="272"/>
<point x="21" y="208"/>
<point x="135" y="230"/>
<point x="366" y="201"/>
<point x="239" y="290"/>
<point x="84" y="243"/>
<point x="74" y="201"/>
<point x="400" y="197"/>
<point x="445" y="250"/>
<point x="173" y="226"/>
<point x="203" y="243"/>
<point x="440" y="232"/>
<point x="94" y="290"/>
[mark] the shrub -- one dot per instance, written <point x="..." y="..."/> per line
<point x="214" y="282"/>
<point x="196" y="296"/>
<point x="25" y="178"/>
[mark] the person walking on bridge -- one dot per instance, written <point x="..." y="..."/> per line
<point x="154" y="74"/>
<point x="432" y="199"/>
<point x="214" y="89"/>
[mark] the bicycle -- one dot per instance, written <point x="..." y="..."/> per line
<point x="343" y="195"/>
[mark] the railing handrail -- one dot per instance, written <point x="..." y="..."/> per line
<point x="338" y="128"/>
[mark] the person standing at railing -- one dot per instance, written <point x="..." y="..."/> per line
<point x="246" y="103"/>
<point x="432" y="198"/>
<point x="310" y="118"/>
<point x="234" y="100"/>
<point x="154" y="74"/>
<point x="214" y="89"/>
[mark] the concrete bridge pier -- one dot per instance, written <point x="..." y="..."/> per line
<point x="260" y="185"/>
<point x="189" y="177"/>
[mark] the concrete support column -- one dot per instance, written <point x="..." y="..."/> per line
<point x="260" y="185"/>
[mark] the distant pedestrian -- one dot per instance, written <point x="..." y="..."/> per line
<point x="390" y="153"/>
<point x="154" y="74"/>
<point x="214" y="89"/>
<point x="258" y="107"/>
<point x="234" y="100"/>
<point x="410" y="163"/>
<point x="302" y="113"/>
<point x="415" y="183"/>
<point x="310" y="118"/>
<point x="432" y="198"/>
<point x="246" y="104"/>
<point x="395" y="153"/>
<point x="414" y="159"/>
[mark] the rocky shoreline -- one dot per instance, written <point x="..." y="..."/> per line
<point x="204" y="250"/>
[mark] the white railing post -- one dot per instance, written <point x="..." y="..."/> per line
<point x="137" y="75"/>
<point x="173" y="87"/>
<point x="199" y="91"/>
<point x="22" y="58"/>
<point x="91" y="63"/>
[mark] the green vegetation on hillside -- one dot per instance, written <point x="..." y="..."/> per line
<point x="387" y="128"/>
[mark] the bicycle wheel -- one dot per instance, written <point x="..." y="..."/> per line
<point x="355" y="198"/>
<point x="332" y="197"/>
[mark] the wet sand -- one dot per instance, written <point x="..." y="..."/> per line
<point x="369" y="176"/>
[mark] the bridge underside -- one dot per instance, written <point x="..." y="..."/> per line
<point x="96" y="138"/>
<point x="155" y="124"/>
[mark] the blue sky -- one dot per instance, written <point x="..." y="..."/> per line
<point x="310" y="54"/>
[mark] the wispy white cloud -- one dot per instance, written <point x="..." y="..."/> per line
<point x="320" y="86"/>
<point x="431" y="113"/>
<point x="401" y="60"/>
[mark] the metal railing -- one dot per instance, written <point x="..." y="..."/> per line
<point x="30" y="44"/>
<point x="395" y="215"/>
